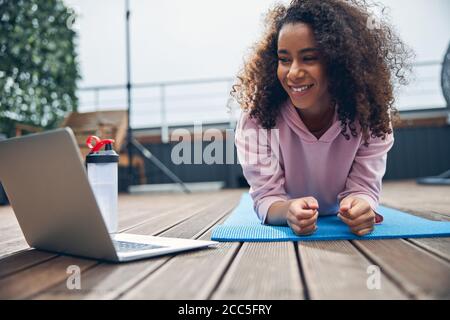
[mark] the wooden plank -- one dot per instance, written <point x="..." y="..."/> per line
<point x="438" y="246"/>
<point x="23" y="284"/>
<point x="201" y="271"/>
<point x="9" y="227"/>
<point x="15" y="254"/>
<point x="11" y="236"/>
<point x="425" y="201"/>
<point x="23" y="260"/>
<point x="407" y="121"/>
<point x="134" y="272"/>
<point x="262" y="270"/>
<point x="418" y="272"/>
<point x="183" y="212"/>
<point x="13" y="245"/>
<point x="144" y="213"/>
<point x="108" y="281"/>
<point x="337" y="270"/>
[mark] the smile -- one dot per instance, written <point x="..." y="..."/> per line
<point x="301" y="89"/>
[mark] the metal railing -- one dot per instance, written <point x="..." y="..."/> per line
<point x="165" y="104"/>
<point x="424" y="92"/>
<point x="177" y="103"/>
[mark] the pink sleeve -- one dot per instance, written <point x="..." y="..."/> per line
<point x="368" y="168"/>
<point x="258" y="154"/>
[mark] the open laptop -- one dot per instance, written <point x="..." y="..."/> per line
<point x="47" y="185"/>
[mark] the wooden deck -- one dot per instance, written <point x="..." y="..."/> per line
<point x="410" y="269"/>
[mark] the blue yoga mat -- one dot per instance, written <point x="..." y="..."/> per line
<point x="244" y="225"/>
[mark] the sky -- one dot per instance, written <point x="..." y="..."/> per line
<point x="202" y="39"/>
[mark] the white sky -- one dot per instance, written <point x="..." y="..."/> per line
<point x="179" y="39"/>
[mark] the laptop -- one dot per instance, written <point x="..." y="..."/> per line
<point x="47" y="185"/>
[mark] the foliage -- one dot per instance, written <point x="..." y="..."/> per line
<point x="38" y="64"/>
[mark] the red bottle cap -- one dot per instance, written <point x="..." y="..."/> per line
<point x="99" y="143"/>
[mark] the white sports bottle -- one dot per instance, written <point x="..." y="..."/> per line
<point x="102" y="173"/>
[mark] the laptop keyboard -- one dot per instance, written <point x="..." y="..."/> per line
<point x="124" y="246"/>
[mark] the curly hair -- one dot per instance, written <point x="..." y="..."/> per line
<point x="363" y="63"/>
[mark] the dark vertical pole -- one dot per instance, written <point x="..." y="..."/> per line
<point x="129" y="131"/>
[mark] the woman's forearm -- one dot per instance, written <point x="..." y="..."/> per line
<point x="277" y="213"/>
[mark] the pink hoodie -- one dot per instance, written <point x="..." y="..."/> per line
<point x="292" y="163"/>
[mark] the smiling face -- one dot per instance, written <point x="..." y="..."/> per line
<point x="301" y="69"/>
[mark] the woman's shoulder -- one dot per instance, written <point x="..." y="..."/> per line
<point x="248" y="120"/>
<point x="372" y="136"/>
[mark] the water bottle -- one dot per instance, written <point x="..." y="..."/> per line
<point x="102" y="173"/>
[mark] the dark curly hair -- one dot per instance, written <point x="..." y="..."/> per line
<point x="363" y="64"/>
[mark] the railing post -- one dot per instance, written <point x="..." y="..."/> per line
<point x="164" y="126"/>
<point x="96" y="98"/>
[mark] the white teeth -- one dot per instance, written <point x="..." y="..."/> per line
<point x="301" y="89"/>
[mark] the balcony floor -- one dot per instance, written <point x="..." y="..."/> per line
<point x="410" y="268"/>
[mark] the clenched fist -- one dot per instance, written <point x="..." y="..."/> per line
<point x="302" y="215"/>
<point x="357" y="214"/>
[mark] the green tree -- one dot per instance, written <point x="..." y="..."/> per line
<point x="38" y="64"/>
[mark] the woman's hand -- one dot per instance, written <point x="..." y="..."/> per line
<point x="302" y="216"/>
<point x="357" y="214"/>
